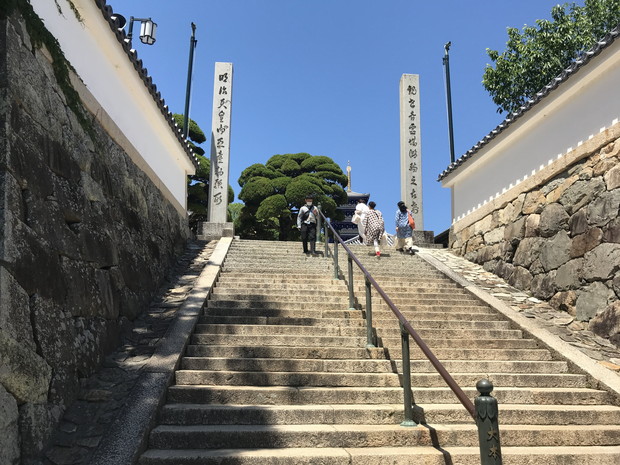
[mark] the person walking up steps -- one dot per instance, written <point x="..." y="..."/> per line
<point x="360" y="214"/>
<point x="404" y="232"/>
<point x="374" y="226"/>
<point x="306" y="223"/>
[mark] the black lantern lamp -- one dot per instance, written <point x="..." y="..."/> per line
<point x="147" y="30"/>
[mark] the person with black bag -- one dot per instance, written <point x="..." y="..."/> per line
<point x="306" y="223"/>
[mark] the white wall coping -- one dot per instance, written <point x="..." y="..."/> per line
<point x="576" y="112"/>
<point x="114" y="84"/>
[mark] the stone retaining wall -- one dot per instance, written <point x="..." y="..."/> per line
<point x="559" y="239"/>
<point x="85" y="240"/>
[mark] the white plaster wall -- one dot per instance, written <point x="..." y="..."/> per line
<point x="100" y="61"/>
<point x="579" y="108"/>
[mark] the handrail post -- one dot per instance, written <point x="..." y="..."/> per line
<point x="336" y="273"/>
<point x="370" y="340"/>
<point x="488" y="424"/>
<point x="319" y="222"/>
<point x="351" y="295"/>
<point x="408" y="397"/>
<point x="326" y="235"/>
<point x="351" y="292"/>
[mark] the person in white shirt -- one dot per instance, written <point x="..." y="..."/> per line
<point x="360" y="210"/>
<point x="306" y="223"/>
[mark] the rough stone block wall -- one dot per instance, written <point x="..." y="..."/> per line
<point x="561" y="239"/>
<point x="85" y="240"/>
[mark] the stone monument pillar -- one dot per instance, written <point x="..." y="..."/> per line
<point x="411" y="147"/>
<point x="217" y="225"/>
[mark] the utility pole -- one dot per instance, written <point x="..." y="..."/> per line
<point x="192" y="46"/>
<point x="446" y="63"/>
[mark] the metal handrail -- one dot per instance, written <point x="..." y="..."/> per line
<point x="484" y="412"/>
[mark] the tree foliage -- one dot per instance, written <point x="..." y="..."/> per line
<point x="273" y="193"/>
<point x="539" y="53"/>
<point x="194" y="133"/>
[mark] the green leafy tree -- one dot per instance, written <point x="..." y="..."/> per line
<point x="273" y="193"/>
<point x="539" y="53"/>
<point x="198" y="183"/>
<point x="234" y="212"/>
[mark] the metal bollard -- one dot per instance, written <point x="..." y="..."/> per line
<point x="370" y="340"/>
<point x="488" y="424"/>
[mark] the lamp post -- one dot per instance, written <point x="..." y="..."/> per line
<point x="147" y="30"/>
<point x="192" y="45"/>
<point x="446" y="62"/>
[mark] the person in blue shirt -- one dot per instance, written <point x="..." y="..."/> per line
<point x="404" y="233"/>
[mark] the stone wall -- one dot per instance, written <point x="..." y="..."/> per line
<point x="85" y="240"/>
<point x="559" y="239"/>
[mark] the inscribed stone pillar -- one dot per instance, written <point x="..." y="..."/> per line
<point x="220" y="143"/>
<point x="411" y="147"/>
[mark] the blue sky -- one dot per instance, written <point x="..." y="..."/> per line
<point x="322" y="77"/>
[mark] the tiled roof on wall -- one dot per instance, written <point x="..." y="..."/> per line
<point x="121" y="36"/>
<point x="579" y="63"/>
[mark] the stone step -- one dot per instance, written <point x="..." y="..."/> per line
<point x="450" y="318"/>
<point x="295" y="258"/>
<point x="260" y="278"/>
<point x="275" y="291"/>
<point x="241" y="378"/>
<point x="261" y="245"/>
<point x="298" y="274"/>
<point x="383" y="414"/>
<point x="292" y="257"/>
<point x="390" y="324"/>
<point x="384" y="326"/>
<point x="279" y="340"/>
<point x="311" y="308"/>
<point x="255" y="304"/>
<point x="457" y="353"/>
<point x="317" y="312"/>
<point x="293" y="269"/>
<point x="353" y="435"/>
<point x="284" y="312"/>
<point x="299" y="271"/>
<point x="423" y="455"/>
<point x="391" y="288"/>
<point x="464" y="339"/>
<point x="264" y="351"/>
<point x="368" y="366"/>
<point x="233" y="277"/>
<point x="337" y="295"/>
<point x="433" y="334"/>
<point x="345" y="341"/>
<point x="341" y="290"/>
<point x="231" y="281"/>
<point x="411" y="311"/>
<point x="290" y="299"/>
<point x="287" y="395"/>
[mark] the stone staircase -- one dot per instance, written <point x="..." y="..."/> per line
<point x="277" y="372"/>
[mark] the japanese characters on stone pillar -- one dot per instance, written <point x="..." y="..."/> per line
<point x="220" y="143"/>
<point x="411" y="147"/>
